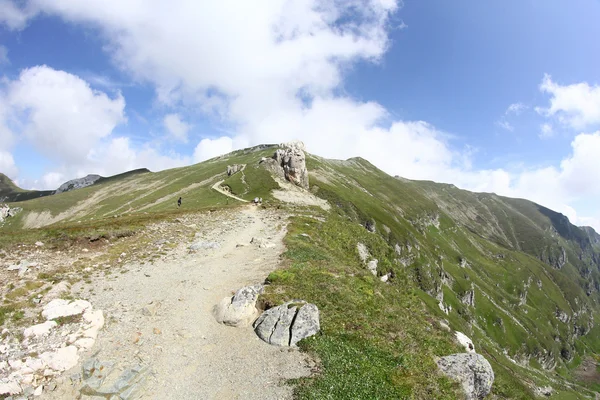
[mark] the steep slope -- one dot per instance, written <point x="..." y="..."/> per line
<point x="9" y="192"/>
<point x="517" y="278"/>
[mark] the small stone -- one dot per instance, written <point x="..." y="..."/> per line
<point x="39" y="244"/>
<point x="38" y="391"/>
<point x="157" y="331"/>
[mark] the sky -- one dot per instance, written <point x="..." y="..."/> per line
<point x="494" y="96"/>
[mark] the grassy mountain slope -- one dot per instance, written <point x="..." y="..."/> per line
<point x="517" y="278"/>
<point x="9" y="192"/>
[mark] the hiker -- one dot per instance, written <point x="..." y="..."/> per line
<point x="179" y="203"/>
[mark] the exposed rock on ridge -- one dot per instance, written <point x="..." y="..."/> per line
<point x="78" y="183"/>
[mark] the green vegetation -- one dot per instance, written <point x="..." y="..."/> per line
<point x="534" y="276"/>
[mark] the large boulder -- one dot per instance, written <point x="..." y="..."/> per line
<point x="473" y="371"/>
<point x="288" y="323"/>
<point x="239" y="310"/>
<point x="291" y="160"/>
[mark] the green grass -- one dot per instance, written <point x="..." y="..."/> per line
<point x="377" y="340"/>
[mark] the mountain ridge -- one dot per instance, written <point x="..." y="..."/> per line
<point x="519" y="279"/>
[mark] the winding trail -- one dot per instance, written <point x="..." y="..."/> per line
<point x="217" y="187"/>
<point x="190" y="354"/>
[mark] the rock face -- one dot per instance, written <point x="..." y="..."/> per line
<point x="473" y="371"/>
<point x="291" y="159"/>
<point x="288" y="323"/>
<point x="6" y="212"/>
<point x="239" y="310"/>
<point x="232" y="169"/>
<point x="78" y="183"/>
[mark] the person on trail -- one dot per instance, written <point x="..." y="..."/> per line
<point x="179" y="203"/>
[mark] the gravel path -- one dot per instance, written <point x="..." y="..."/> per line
<point x="160" y="315"/>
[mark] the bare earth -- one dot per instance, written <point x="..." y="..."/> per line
<point x="191" y="356"/>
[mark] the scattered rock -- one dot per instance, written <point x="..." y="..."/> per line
<point x="363" y="252"/>
<point x="465" y="341"/>
<point x="473" y="371"/>
<point x="61" y="359"/>
<point x="39" y="330"/>
<point x="232" y="169"/>
<point x="372" y="266"/>
<point x="239" y="310"/>
<point x="150" y="310"/>
<point x="287" y="324"/>
<point x="39" y="244"/>
<point x="262" y="243"/>
<point x="371" y="226"/>
<point x="57" y="291"/>
<point x="64" y="308"/>
<point x="544" y="391"/>
<point x="22" y="267"/>
<point x="9" y="387"/>
<point x="101" y="379"/>
<point x="204" y="246"/>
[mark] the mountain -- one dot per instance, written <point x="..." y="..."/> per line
<point x="10" y="193"/>
<point x="517" y="278"/>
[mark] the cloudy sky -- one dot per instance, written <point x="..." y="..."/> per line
<point x="489" y="95"/>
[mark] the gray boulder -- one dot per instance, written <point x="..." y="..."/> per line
<point x="239" y="310"/>
<point x="291" y="159"/>
<point x="288" y="323"/>
<point x="473" y="371"/>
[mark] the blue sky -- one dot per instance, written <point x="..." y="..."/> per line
<point x="491" y="95"/>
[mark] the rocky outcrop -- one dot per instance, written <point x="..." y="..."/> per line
<point x="47" y="349"/>
<point x="468" y="298"/>
<point x="289" y="161"/>
<point x="239" y="310"/>
<point x="465" y="341"/>
<point x="104" y="380"/>
<point x="288" y="323"/>
<point x="7" y="212"/>
<point x="78" y="183"/>
<point x="232" y="169"/>
<point x="473" y="371"/>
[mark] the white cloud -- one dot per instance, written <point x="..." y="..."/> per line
<point x="271" y="71"/>
<point x="546" y="131"/>
<point x="14" y="17"/>
<point x="209" y="148"/>
<point x="60" y="114"/>
<point x="7" y="164"/>
<point x="515" y="108"/>
<point x="176" y="128"/>
<point x="576" y="105"/>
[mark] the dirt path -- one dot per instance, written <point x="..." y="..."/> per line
<point x="217" y="187"/>
<point x="192" y="356"/>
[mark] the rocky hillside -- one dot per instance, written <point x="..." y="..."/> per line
<point x="398" y="269"/>
<point x="10" y="193"/>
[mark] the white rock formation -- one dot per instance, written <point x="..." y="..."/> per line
<point x="39" y="329"/>
<point x="465" y="341"/>
<point x="63" y="308"/>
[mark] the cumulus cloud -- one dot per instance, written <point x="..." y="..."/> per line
<point x="176" y="128"/>
<point x="7" y="164"/>
<point x="13" y="16"/>
<point x="271" y="72"/>
<point x="60" y="114"/>
<point x="576" y="105"/>
<point x="66" y="120"/>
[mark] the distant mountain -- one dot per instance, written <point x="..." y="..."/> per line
<point x="518" y="278"/>
<point x="10" y="193"/>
